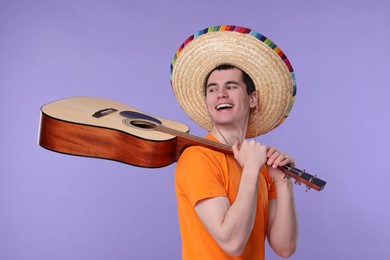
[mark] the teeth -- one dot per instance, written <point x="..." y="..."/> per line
<point x="222" y="106"/>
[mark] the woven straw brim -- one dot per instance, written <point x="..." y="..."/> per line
<point x="273" y="79"/>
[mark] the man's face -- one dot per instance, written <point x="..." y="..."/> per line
<point x="227" y="99"/>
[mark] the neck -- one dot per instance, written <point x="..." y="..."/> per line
<point x="228" y="136"/>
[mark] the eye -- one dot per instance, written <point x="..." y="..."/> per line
<point x="210" y="90"/>
<point x="232" y="86"/>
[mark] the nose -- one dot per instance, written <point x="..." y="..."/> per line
<point x="222" y="93"/>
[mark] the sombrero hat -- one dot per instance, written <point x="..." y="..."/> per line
<point x="243" y="48"/>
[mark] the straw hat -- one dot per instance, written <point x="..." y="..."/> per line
<point x="243" y="48"/>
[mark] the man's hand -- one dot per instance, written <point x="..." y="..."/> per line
<point x="276" y="159"/>
<point x="250" y="153"/>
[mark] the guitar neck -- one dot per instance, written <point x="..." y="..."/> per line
<point x="186" y="140"/>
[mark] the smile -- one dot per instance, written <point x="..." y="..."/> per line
<point x="223" y="106"/>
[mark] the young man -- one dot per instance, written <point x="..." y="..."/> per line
<point x="228" y="204"/>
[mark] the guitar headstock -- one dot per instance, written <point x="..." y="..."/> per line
<point x="301" y="176"/>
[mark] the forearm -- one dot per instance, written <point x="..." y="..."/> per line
<point x="239" y="219"/>
<point x="283" y="229"/>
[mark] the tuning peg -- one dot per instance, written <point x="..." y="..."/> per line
<point x="287" y="177"/>
<point x="312" y="178"/>
<point x="296" y="182"/>
<point x="307" y="188"/>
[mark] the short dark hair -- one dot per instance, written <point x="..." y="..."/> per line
<point x="250" y="86"/>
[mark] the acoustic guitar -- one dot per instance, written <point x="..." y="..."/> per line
<point x="101" y="128"/>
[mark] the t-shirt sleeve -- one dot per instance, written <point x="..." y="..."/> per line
<point x="199" y="175"/>
<point x="271" y="184"/>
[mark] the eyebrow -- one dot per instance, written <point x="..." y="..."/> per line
<point x="226" y="83"/>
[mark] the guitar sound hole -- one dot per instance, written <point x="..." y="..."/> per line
<point x="142" y="124"/>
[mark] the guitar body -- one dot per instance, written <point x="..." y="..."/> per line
<point x="94" y="127"/>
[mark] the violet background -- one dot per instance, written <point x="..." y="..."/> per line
<point x="54" y="206"/>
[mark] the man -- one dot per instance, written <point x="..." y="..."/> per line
<point x="228" y="204"/>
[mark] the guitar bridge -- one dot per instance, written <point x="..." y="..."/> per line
<point x="104" y="112"/>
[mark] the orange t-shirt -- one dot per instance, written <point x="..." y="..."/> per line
<point x="203" y="173"/>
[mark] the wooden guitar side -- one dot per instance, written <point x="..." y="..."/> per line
<point x="84" y="140"/>
<point x="62" y="129"/>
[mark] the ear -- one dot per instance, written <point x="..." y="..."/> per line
<point x="254" y="99"/>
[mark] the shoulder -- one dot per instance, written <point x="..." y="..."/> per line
<point x="194" y="151"/>
<point x="199" y="174"/>
<point x="198" y="163"/>
<point x="198" y="156"/>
